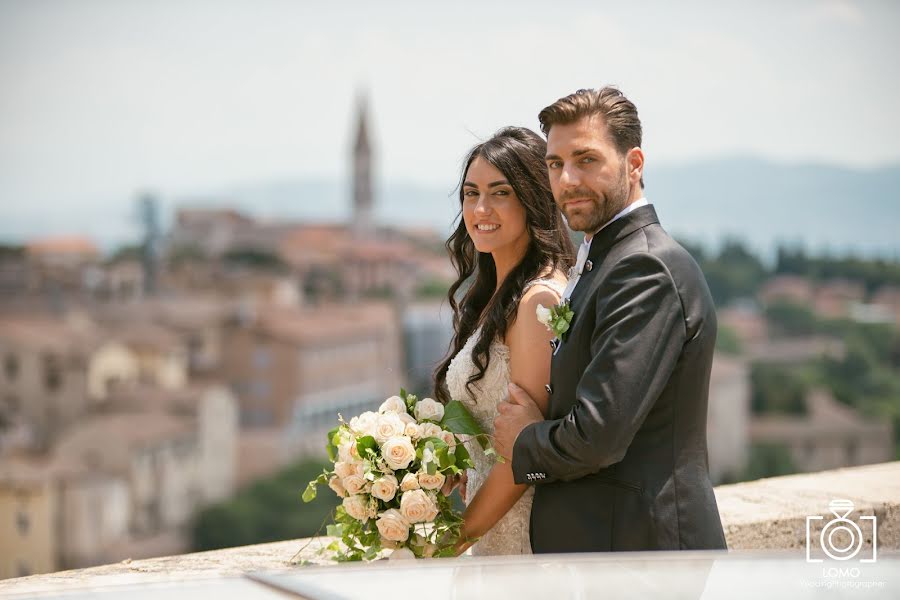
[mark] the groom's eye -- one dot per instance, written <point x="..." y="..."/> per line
<point x="554" y="164"/>
<point x="587" y="159"/>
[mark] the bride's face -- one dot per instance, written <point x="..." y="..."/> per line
<point x="494" y="217"/>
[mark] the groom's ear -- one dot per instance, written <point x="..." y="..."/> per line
<point x="634" y="162"/>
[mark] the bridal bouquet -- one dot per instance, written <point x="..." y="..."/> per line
<point x="389" y="468"/>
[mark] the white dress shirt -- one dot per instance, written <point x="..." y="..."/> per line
<point x="585" y="247"/>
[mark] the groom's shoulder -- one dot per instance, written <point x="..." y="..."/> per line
<point x="660" y="244"/>
<point x="653" y="245"/>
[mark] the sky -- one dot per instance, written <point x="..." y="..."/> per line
<point x="102" y="99"/>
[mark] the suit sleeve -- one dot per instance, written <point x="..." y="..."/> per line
<point x="638" y="337"/>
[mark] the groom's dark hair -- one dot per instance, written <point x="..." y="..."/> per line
<point x="618" y="112"/>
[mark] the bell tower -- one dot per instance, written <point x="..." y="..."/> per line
<point x="363" y="226"/>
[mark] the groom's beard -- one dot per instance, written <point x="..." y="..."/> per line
<point x="601" y="210"/>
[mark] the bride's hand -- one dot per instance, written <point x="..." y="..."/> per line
<point x="452" y="482"/>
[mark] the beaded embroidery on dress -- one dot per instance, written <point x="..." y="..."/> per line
<point x="511" y="533"/>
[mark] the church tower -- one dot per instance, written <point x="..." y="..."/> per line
<point x="363" y="226"/>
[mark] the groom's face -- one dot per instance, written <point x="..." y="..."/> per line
<point x="587" y="173"/>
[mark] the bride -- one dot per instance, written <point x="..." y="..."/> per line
<point x="512" y="244"/>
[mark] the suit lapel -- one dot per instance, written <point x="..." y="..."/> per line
<point x="603" y="241"/>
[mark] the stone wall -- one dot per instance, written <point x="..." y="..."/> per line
<point x="768" y="514"/>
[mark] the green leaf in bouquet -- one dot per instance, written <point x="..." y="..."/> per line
<point x="458" y="419"/>
<point x="365" y="443"/>
<point x="331" y="446"/>
<point x="443" y="456"/>
<point x="463" y="459"/>
<point x="335" y="530"/>
<point x="309" y="494"/>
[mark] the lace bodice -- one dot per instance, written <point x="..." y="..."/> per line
<point x="510" y="534"/>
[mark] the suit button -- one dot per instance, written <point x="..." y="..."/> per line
<point x="589" y="265"/>
<point x="549" y="388"/>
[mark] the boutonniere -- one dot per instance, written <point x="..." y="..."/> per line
<point x="556" y="318"/>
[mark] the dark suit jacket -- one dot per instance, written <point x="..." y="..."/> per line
<point x="621" y="461"/>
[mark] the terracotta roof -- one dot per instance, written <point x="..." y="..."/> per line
<point x="107" y="442"/>
<point x="52" y="334"/>
<point x="62" y="245"/>
<point x="193" y="215"/>
<point x="826" y="417"/>
<point x="309" y="325"/>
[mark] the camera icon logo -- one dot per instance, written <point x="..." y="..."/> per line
<point x="841" y="538"/>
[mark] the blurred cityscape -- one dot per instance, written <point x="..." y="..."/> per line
<point x="173" y="395"/>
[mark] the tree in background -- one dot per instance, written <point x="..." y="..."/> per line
<point x="267" y="511"/>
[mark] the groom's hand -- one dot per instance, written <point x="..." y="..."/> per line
<point x="514" y="415"/>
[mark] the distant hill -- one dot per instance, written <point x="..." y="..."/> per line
<point x="823" y="207"/>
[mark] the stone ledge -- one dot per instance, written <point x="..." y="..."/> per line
<point x="768" y="514"/>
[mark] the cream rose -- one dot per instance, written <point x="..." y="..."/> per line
<point x="543" y="315"/>
<point x="398" y="452"/>
<point x="364" y="424"/>
<point x="407" y="418"/>
<point x="354" y="484"/>
<point x="427" y="430"/>
<point x="417" y="507"/>
<point x="431" y="482"/>
<point x="401" y="554"/>
<point x="347" y="451"/>
<point x="335" y="484"/>
<point x="385" y="487"/>
<point x="412" y="430"/>
<point x="448" y="438"/>
<point x="346" y="469"/>
<point x="393" y="526"/>
<point x="410" y="482"/>
<point x="356" y="507"/>
<point x="429" y="409"/>
<point x="393" y="404"/>
<point x="387" y="426"/>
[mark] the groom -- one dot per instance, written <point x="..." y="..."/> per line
<point x="620" y="463"/>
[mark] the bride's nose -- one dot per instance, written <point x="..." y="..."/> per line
<point x="482" y="208"/>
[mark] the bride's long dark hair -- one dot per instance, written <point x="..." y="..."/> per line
<point x="518" y="153"/>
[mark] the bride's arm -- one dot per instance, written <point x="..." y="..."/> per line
<point x="529" y="364"/>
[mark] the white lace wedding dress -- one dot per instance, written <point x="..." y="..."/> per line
<point x="510" y="535"/>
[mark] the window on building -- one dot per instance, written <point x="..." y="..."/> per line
<point x="262" y="388"/>
<point x="257" y="417"/>
<point x="262" y="357"/>
<point x="23" y="523"/>
<point x="11" y="367"/>
<point x="52" y="372"/>
<point x="853" y="452"/>
<point x="12" y="404"/>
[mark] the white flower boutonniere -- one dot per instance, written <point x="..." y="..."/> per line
<point x="556" y="318"/>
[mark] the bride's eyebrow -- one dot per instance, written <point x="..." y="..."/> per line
<point x="496" y="183"/>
